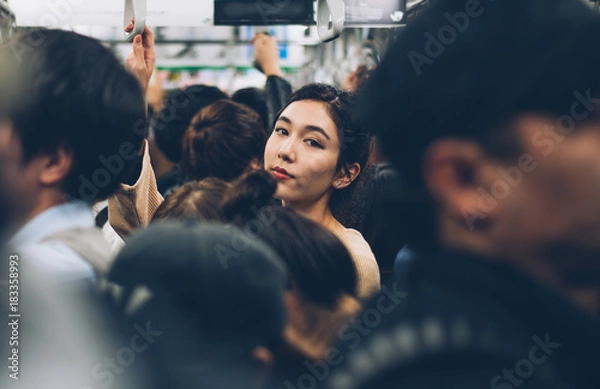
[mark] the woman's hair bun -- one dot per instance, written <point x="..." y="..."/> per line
<point x="247" y="195"/>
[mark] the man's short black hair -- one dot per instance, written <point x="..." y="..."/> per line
<point x="467" y="69"/>
<point x="61" y="89"/>
<point x="257" y="100"/>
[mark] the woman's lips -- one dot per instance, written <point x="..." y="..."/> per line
<point x="281" y="174"/>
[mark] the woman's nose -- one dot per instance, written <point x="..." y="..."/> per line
<point x="286" y="151"/>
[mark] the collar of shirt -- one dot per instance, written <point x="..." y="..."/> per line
<point x="73" y="214"/>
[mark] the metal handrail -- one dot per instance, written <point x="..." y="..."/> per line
<point x="334" y="10"/>
<point x="134" y="9"/>
<point x="5" y="11"/>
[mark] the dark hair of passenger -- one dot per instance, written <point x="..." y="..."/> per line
<point x="355" y="140"/>
<point x="198" y="200"/>
<point x="477" y="89"/>
<point x="256" y="99"/>
<point x="64" y="90"/>
<point x="380" y="221"/>
<point x="319" y="264"/>
<point x="170" y="124"/>
<point x="374" y="211"/>
<point x="223" y="141"/>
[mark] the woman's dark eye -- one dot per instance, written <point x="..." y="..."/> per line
<point x="313" y="143"/>
<point x="281" y="131"/>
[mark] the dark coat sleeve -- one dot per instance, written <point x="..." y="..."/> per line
<point x="278" y="91"/>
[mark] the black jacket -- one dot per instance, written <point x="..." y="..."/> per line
<point x="459" y="321"/>
<point x="278" y="91"/>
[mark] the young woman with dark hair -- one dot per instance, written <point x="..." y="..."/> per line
<point x="316" y="152"/>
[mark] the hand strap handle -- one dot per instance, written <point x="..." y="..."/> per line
<point x="335" y="9"/>
<point x="135" y="9"/>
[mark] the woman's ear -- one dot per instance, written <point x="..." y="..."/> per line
<point x="345" y="177"/>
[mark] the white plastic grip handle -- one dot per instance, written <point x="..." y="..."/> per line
<point x="336" y="9"/>
<point x="135" y="9"/>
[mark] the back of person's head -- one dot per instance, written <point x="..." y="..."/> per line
<point x="256" y="99"/>
<point x="224" y="140"/>
<point x="357" y="79"/>
<point x="63" y="92"/>
<point x="173" y="120"/>
<point x="197" y="200"/>
<point x="320" y="266"/>
<point x="467" y="71"/>
<point x="214" y="297"/>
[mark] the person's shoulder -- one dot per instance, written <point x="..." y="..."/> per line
<point x="351" y="235"/>
<point x="56" y="260"/>
<point x="350" y="232"/>
<point x="452" y="371"/>
<point x="367" y="269"/>
<point x="355" y="242"/>
<point x="432" y="352"/>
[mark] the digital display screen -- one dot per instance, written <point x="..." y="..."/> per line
<point x="264" y="12"/>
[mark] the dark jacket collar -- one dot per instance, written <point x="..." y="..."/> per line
<point x="538" y="309"/>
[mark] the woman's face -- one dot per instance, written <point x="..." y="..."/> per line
<point x="302" y="152"/>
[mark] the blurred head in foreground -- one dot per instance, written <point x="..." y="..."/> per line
<point x="492" y="120"/>
<point x="215" y="296"/>
<point x="71" y="117"/>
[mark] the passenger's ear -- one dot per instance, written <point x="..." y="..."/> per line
<point x="55" y="167"/>
<point x="256" y="164"/>
<point x="457" y="173"/>
<point x="263" y="357"/>
<point x="345" y="177"/>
